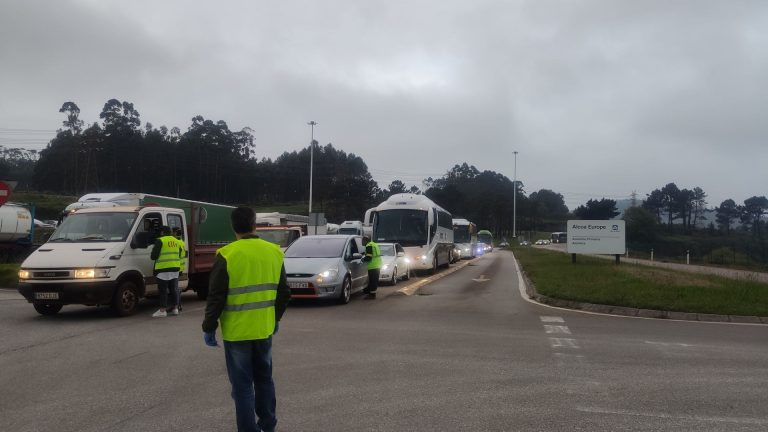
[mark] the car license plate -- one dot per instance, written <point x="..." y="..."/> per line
<point x="46" y="296"/>
<point x="298" y="284"/>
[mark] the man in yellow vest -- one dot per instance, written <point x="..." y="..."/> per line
<point x="248" y="294"/>
<point x="373" y="258"/>
<point x="166" y="255"/>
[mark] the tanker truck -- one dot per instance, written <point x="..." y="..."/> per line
<point x="100" y="253"/>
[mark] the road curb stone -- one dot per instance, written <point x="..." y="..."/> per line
<point x="533" y="294"/>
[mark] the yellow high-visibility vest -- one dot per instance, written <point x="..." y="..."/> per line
<point x="254" y="268"/>
<point x="169" y="254"/>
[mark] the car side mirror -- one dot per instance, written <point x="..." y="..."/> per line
<point x="356" y="256"/>
<point x="400" y="254"/>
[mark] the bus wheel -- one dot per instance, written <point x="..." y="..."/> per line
<point x="47" y="308"/>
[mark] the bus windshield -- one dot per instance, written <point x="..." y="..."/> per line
<point x="461" y="234"/>
<point x="407" y="227"/>
<point x="93" y="227"/>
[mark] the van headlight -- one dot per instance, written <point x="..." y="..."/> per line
<point x="23" y="274"/>
<point x="91" y="273"/>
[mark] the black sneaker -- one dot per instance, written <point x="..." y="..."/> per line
<point x="370" y="296"/>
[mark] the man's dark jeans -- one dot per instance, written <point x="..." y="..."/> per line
<point x="373" y="281"/>
<point x="169" y="292"/>
<point x="249" y="366"/>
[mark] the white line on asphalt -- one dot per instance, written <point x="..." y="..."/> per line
<point x="741" y="420"/>
<point x="563" y="343"/>
<point x="551" y="319"/>
<point x="569" y="356"/>
<point x="666" y="344"/>
<point x="549" y="329"/>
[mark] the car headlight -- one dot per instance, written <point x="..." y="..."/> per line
<point x="23" y="274"/>
<point x="423" y="257"/>
<point x="327" y="275"/>
<point x="407" y="260"/>
<point x="91" y="273"/>
<point x="385" y="266"/>
<point x="466" y="249"/>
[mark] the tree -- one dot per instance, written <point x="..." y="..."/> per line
<point x="670" y="201"/>
<point x="753" y="211"/>
<point x="597" y="210"/>
<point x="654" y="202"/>
<point x="641" y="225"/>
<point x="699" y="205"/>
<point x="726" y="213"/>
<point x="73" y="122"/>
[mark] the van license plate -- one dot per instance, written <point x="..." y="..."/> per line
<point x="298" y="284"/>
<point x="46" y="296"/>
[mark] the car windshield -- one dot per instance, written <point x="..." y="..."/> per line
<point x="90" y="227"/>
<point x="407" y="227"/>
<point x="387" y="249"/>
<point x="316" y="247"/>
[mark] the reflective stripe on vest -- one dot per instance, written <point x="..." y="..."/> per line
<point x="253" y="267"/>
<point x="169" y="254"/>
<point x="375" y="261"/>
<point x="183" y="251"/>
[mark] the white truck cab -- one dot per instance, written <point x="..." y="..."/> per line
<point x="98" y="256"/>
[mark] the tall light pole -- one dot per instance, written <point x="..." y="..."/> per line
<point x="514" y="202"/>
<point x="311" y="162"/>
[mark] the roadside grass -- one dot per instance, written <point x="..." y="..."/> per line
<point x="598" y="281"/>
<point x="9" y="275"/>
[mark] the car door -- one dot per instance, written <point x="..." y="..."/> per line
<point x="400" y="260"/>
<point x="357" y="267"/>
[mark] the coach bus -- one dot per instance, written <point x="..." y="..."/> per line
<point x="485" y="236"/>
<point x="465" y="237"/>
<point x="423" y="229"/>
<point x="559" y="237"/>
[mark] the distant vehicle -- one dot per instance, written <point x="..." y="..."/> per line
<point x="480" y="249"/>
<point x="539" y="242"/>
<point x="394" y="264"/>
<point x="465" y="237"/>
<point x="423" y="228"/>
<point x="524" y="243"/>
<point x="486" y="237"/>
<point x="44" y="225"/>
<point x="282" y="236"/>
<point x="351" y="228"/>
<point x="559" y="237"/>
<point x="503" y="244"/>
<point x="546" y="242"/>
<point x="326" y="267"/>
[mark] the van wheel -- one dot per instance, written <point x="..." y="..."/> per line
<point x="47" y="308"/>
<point x="346" y="291"/>
<point x="126" y="299"/>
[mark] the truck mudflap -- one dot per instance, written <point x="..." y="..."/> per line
<point x="91" y="293"/>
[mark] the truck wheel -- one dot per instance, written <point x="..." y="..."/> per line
<point x="126" y="299"/>
<point x="47" y="308"/>
<point x="202" y="292"/>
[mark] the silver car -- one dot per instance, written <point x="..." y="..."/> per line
<point x="326" y="266"/>
<point x="394" y="264"/>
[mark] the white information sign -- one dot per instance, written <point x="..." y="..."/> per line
<point x="597" y="237"/>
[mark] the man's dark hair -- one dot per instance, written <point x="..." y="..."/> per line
<point x="166" y="230"/>
<point x="243" y="220"/>
<point x="366" y="239"/>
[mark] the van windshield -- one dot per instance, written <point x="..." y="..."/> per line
<point x="94" y="227"/>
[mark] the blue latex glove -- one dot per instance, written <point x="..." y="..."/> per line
<point x="210" y="339"/>
<point x="277" y="327"/>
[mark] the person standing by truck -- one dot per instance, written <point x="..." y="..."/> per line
<point x="167" y="257"/>
<point x="373" y="258"/>
<point x="182" y="262"/>
<point x="248" y="293"/>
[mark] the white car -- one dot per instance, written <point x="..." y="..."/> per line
<point x="394" y="264"/>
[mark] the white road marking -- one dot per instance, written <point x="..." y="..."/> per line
<point x="569" y="356"/>
<point x="563" y="343"/>
<point x="551" y="319"/>
<point x="481" y="279"/>
<point x="667" y="344"/>
<point x="661" y="415"/>
<point x="556" y="329"/>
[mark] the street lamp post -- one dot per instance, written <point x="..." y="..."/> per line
<point x="514" y="201"/>
<point x="311" y="162"/>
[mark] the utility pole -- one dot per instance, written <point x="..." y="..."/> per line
<point x="514" y="201"/>
<point x="311" y="162"/>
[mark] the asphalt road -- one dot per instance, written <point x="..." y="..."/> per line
<point x="465" y="353"/>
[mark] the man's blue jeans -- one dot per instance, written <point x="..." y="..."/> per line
<point x="249" y="366"/>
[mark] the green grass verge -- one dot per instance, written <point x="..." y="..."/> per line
<point x="9" y="275"/>
<point x="599" y="281"/>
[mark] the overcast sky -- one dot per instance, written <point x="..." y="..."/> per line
<point x="600" y="98"/>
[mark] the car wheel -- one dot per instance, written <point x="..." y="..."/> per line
<point x="434" y="265"/>
<point x="126" y="299"/>
<point x="346" y="291"/>
<point x="408" y="273"/>
<point x="47" y="308"/>
<point x="394" y="277"/>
